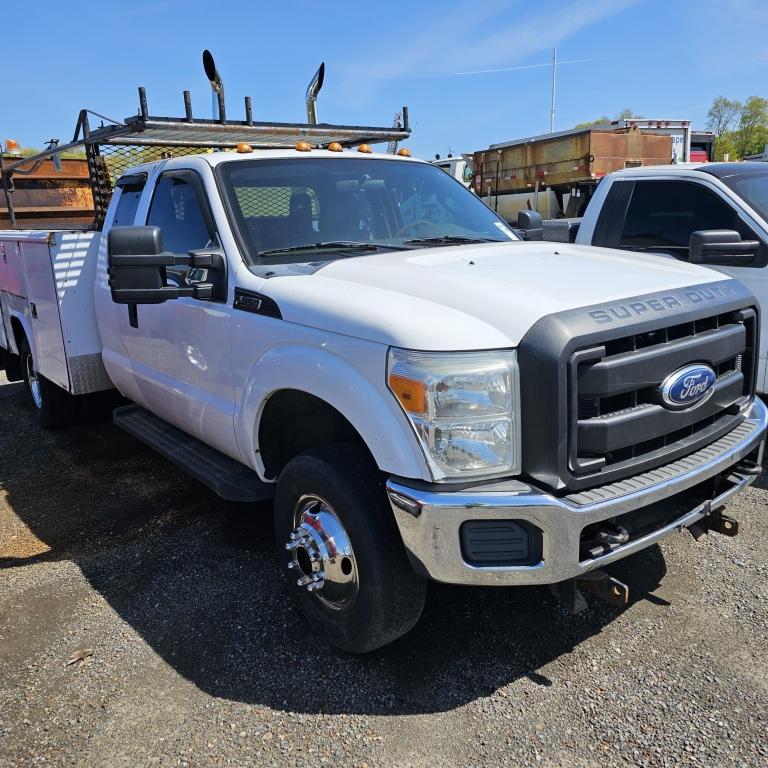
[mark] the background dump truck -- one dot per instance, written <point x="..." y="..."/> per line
<point x="357" y="337"/>
<point x="51" y="192"/>
<point x="557" y="173"/>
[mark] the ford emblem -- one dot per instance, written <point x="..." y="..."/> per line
<point x="690" y="385"/>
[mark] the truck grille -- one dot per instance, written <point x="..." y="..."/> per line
<point x="591" y="378"/>
<point x="617" y="418"/>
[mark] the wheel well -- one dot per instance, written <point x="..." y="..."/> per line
<point x="12" y="362"/>
<point x="293" y="422"/>
<point x="19" y="334"/>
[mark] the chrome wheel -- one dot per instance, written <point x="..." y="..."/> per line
<point x="34" y="383"/>
<point x="321" y="554"/>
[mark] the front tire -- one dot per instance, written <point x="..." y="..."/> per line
<point x="341" y="552"/>
<point x="54" y="407"/>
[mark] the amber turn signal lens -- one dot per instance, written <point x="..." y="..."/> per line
<point x="411" y="394"/>
<point x="364" y="148"/>
<point x="244" y="148"/>
<point x="404" y="152"/>
<point x="303" y="146"/>
<point x="334" y="146"/>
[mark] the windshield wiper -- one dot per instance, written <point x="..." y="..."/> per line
<point x="342" y="245"/>
<point x="453" y="240"/>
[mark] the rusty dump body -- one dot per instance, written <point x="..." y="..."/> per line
<point x="565" y="159"/>
<point x="46" y="198"/>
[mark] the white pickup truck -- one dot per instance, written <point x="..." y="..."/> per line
<point x="715" y="214"/>
<point x="424" y="395"/>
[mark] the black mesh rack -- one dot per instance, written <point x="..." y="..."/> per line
<point x="115" y="145"/>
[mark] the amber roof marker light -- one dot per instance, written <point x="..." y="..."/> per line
<point x="244" y="148"/>
<point x="303" y="146"/>
<point x="404" y="152"/>
<point x="334" y="146"/>
<point x="364" y="148"/>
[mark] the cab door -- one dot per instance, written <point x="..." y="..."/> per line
<point x="179" y="351"/>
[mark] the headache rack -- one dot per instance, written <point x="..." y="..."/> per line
<point x="114" y="146"/>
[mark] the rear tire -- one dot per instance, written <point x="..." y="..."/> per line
<point x="54" y="407"/>
<point x="370" y="594"/>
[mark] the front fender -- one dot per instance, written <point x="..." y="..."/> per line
<point x="368" y="406"/>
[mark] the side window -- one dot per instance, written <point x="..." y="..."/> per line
<point x="662" y="215"/>
<point x="176" y="210"/>
<point x="127" y="203"/>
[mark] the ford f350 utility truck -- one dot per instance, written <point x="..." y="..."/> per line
<point x="715" y="214"/>
<point x="358" y="336"/>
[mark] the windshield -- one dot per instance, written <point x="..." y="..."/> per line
<point x="752" y="187"/>
<point x="293" y="210"/>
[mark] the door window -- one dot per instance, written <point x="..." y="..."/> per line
<point x="662" y="215"/>
<point x="176" y="210"/>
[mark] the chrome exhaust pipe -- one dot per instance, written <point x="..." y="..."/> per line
<point x="217" y="87"/>
<point x="315" y="84"/>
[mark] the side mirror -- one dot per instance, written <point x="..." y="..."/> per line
<point x="531" y="224"/>
<point x="137" y="264"/>
<point x="722" y="247"/>
<point x="136" y="271"/>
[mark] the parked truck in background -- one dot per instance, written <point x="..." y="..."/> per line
<point x="714" y="214"/>
<point x="556" y="174"/>
<point x="459" y="167"/>
<point x="358" y="337"/>
<point x="48" y="192"/>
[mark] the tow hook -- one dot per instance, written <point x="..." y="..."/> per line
<point x="604" y="538"/>
<point x="598" y="582"/>
<point x="716" y="522"/>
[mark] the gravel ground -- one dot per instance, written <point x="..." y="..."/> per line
<point x="199" y="658"/>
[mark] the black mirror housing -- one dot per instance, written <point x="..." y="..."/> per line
<point x="531" y="224"/>
<point x="135" y="265"/>
<point x="137" y="268"/>
<point x="721" y="247"/>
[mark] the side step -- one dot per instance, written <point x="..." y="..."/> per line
<point x="226" y="477"/>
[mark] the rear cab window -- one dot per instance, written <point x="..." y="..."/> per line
<point x="130" y="190"/>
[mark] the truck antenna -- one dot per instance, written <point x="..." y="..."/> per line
<point x="554" y="87"/>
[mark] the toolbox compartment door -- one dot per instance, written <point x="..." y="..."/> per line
<point x="44" y="317"/>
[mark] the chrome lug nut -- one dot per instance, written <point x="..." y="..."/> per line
<point x="303" y="581"/>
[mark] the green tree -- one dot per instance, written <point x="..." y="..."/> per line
<point x="625" y="114"/>
<point x="725" y="144"/>
<point x="722" y="115"/>
<point x="72" y="154"/>
<point x="753" y="126"/>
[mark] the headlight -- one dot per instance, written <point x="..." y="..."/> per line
<point x="464" y="407"/>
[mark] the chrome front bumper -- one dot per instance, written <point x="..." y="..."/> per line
<point x="430" y="520"/>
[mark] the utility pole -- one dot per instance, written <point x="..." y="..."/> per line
<point x="554" y="87"/>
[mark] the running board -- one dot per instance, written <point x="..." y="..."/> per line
<point x="226" y="477"/>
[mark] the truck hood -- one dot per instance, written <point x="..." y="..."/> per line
<point x="483" y="296"/>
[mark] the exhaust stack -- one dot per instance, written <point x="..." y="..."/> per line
<point x="217" y="87"/>
<point x="315" y="84"/>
